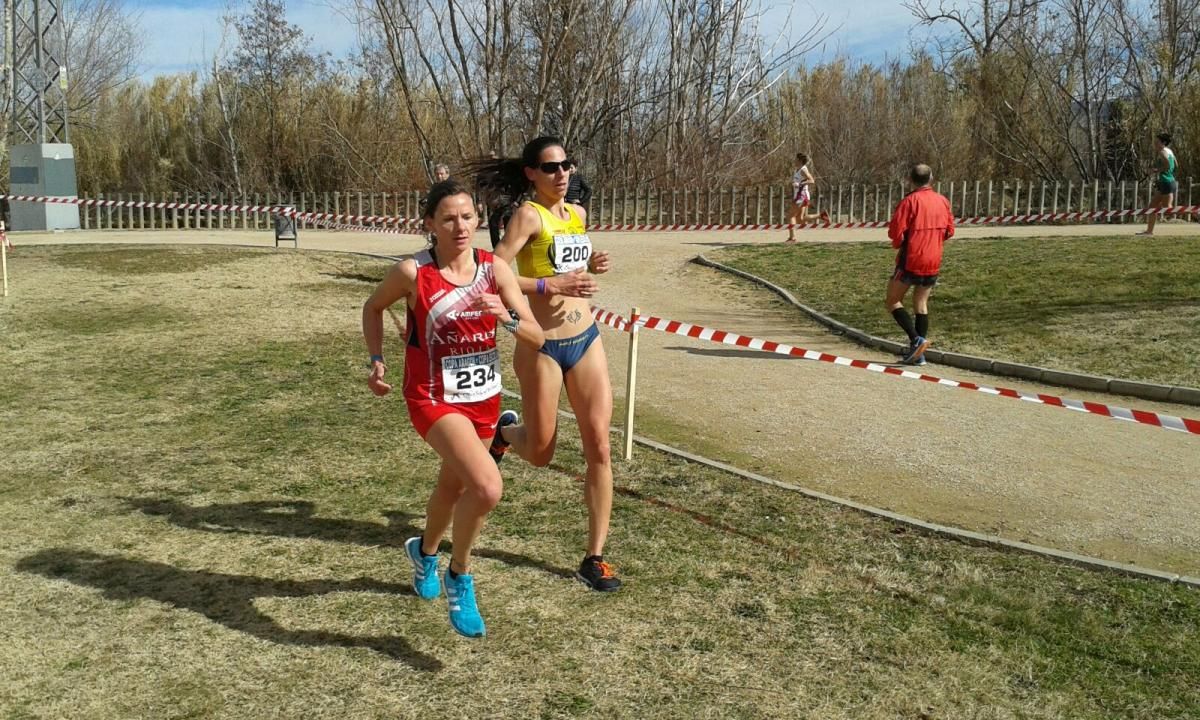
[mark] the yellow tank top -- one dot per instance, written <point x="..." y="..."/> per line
<point x="561" y="247"/>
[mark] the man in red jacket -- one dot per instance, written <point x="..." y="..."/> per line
<point x="922" y="222"/>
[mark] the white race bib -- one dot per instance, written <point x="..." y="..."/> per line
<point x="471" y="378"/>
<point x="571" y="253"/>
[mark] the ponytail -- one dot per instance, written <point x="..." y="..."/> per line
<point x="504" y="178"/>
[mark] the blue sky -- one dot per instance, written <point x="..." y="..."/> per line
<point x="182" y="36"/>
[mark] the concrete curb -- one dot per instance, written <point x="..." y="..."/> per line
<point x="1064" y="378"/>
<point x="966" y="536"/>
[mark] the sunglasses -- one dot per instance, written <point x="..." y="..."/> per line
<point x="552" y="167"/>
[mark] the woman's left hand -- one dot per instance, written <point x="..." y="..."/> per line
<point x="492" y="305"/>
<point x="599" y="263"/>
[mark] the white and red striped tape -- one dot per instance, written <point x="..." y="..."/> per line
<point x="982" y="220"/>
<point x="1167" y="422"/>
<point x="368" y="223"/>
<point x="410" y="226"/>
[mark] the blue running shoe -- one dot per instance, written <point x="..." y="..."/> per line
<point x="425" y="569"/>
<point x="499" y="447"/>
<point x="916" y="350"/>
<point x="464" y="615"/>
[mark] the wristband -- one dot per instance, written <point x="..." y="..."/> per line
<point x="374" y="359"/>
<point x="512" y="324"/>
<point x="541" y="286"/>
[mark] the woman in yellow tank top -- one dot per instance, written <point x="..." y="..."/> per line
<point x="555" y="263"/>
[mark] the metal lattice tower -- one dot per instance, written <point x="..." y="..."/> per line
<point x="36" y="47"/>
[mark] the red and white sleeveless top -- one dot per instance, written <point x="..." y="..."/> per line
<point x="451" y="355"/>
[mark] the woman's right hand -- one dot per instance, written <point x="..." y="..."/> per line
<point x="375" y="379"/>
<point x="573" y="284"/>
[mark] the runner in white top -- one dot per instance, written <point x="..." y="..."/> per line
<point x="802" y="184"/>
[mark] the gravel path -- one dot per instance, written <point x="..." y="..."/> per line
<point x="1040" y="474"/>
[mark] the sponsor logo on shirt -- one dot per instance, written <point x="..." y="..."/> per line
<point x="463" y="314"/>
<point x="453" y="337"/>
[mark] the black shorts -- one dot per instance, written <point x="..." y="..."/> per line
<point x="908" y="278"/>
<point x="1163" y="187"/>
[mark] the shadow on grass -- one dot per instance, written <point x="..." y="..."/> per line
<point x="706" y="520"/>
<point x="295" y="518"/>
<point x="283" y="518"/>
<point x="516" y="560"/>
<point x="743" y="354"/>
<point x="225" y="599"/>
<point x="358" y="277"/>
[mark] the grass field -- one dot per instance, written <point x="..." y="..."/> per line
<point x="202" y="511"/>
<point x="1122" y="307"/>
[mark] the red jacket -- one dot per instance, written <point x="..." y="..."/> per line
<point x="922" y="222"/>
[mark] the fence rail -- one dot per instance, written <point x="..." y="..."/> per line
<point x="644" y="205"/>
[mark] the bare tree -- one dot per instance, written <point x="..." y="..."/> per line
<point x="1074" y="65"/>
<point x="270" y="57"/>
<point x="103" y="47"/>
<point x="976" y="52"/>
<point x="229" y="107"/>
<point x="1162" y="43"/>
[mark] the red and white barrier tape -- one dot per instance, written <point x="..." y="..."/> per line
<point x="1167" y="422"/>
<point x="610" y="319"/>
<point x="984" y="220"/>
<point x="369" y="223"/>
<point x="410" y="226"/>
<point x="331" y="225"/>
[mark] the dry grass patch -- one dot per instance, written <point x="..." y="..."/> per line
<point x="205" y="519"/>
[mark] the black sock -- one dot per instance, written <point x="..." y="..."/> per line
<point x="923" y="325"/>
<point x="904" y="320"/>
<point x="422" y="549"/>
<point x="450" y="571"/>
<point x="596" y="558"/>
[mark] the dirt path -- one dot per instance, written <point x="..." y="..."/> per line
<point x="1045" y="475"/>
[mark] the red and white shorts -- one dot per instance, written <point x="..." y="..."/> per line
<point x="483" y="414"/>
<point x="803" y="198"/>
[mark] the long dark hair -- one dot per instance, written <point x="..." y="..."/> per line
<point x="503" y="179"/>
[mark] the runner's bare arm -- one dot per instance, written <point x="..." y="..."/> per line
<point x="397" y="284"/>
<point x="529" y="331"/>
<point x="524" y="224"/>
<point x="600" y="262"/>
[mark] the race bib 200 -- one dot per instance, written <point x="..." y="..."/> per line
<point x="571" y="253"/>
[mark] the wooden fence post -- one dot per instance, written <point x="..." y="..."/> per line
<point x="631" y="382"/>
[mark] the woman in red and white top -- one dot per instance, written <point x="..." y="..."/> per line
<point x="457" y="297"/>
<point x="803" y="184"/>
